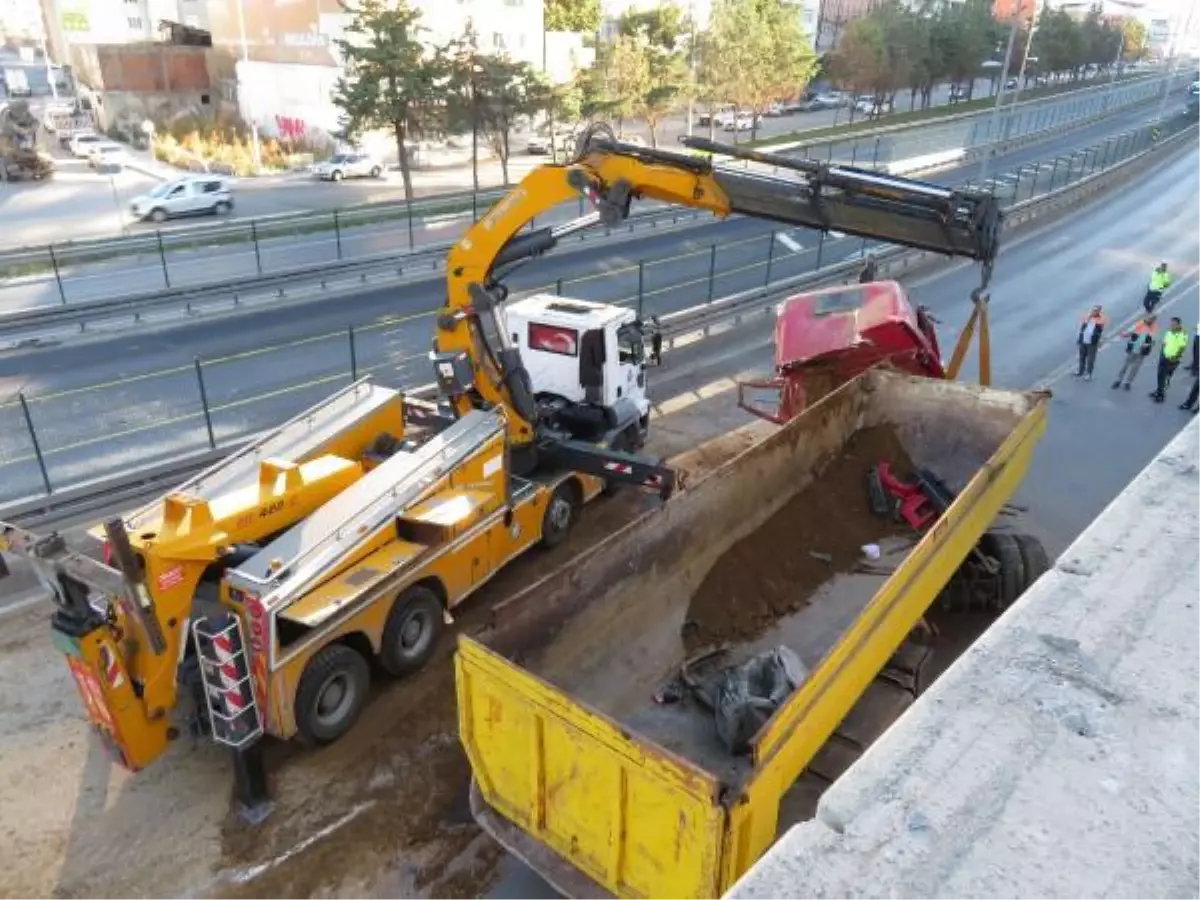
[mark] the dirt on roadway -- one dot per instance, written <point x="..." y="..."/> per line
<point x="383" y="812"/>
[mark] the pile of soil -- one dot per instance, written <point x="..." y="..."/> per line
<point x="816" y="536"/>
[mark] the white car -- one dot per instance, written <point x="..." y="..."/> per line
<point x="741" y="122"/>
<point x="539" y="144"/>
<point x="82" y="144"/>
<point x="107" y="153"/>
<point x="635" y="139"/>
<point x="348" y="165"/>
<point x="194" y="196"/>
<point x="865" y="104"/>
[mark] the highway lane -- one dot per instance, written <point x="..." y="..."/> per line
<point x="1095" y="442"/>
<point x="284" y="246"/>
<point x="157" y="416"/>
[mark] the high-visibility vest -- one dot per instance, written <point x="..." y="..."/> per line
<point x="1160" y="281"/>
<point x="1142" y="335"/>
<point x="1174" y="343"/>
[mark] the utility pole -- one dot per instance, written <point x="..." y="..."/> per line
<point x="691" y="105"/>
<point x="1174" y="58"/>
<point x="1012" y="38"/>
<point x="1033" y="18"/>
<point x="246" y="61"/>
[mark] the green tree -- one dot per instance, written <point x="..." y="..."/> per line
<point x="509" y="90"/>
<point x="466" y="94"/>
<point x="572" y="15"/>
<point x="965" y="38"/>
<point x="658" y="34"/>
<point x="757" y="54"/>
<point x="393" y="82"/>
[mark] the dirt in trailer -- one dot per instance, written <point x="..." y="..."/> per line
<point x="816" y="537"/>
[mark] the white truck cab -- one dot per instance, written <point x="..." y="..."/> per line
<point x="586" y="362"/>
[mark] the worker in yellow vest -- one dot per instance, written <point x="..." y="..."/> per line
<point x="1174" y="343"/>
<point x="1160" y="280"/>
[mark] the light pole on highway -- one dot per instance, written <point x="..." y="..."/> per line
<point x="691" y="107"/>
<point x="1174" y="58"/>
<point x="1012" y="39"/>
<point x="246" y="61"/>
<point x="1033" y="18"/>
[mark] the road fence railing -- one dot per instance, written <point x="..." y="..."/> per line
<point x="189" y="414"/>
<point x="169" y="259"/>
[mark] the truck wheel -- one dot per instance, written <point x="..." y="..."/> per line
<point x="1006" y="551"/>
<point x="412" y="630"/>
<point x="158" y="215"/>
<point x="1035" y="558"/>
<point x="331" y="694"/>
<point x="560" y="514"/>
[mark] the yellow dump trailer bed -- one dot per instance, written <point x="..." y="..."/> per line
<point x="590" y="762"/>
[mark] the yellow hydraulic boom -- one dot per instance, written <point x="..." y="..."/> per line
<point x="477" y="365"/>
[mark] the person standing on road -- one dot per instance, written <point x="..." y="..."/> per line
<point x="1160" y="280"/>
<point x="869" y="270"/>
<point x="1091" y="330"/>
<point x="1139" y="344"/>
<point x="1194" y="368"/>
<point x="1192" y="403"/>
<point x="656" y="341"/>
<point x="1174" y="342"/>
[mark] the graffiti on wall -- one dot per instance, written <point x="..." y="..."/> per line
<point x="291" y="128"/>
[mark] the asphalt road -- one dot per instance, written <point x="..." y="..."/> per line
<point x="87" y="431"/>
<point x="267" y="249"/>
<point x="1096" y="441"/>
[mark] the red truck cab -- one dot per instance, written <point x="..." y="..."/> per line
<point x="825" y="338"/>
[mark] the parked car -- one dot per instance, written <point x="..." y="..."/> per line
<point x="539" y="144"/>
<point x="716" y="116"/>
<point x="348" y="165"/>
<point x="740" y="122"/>
<point x="107" y="153"/>
<point x="192" y="196"/>
<point x="1011" y="84"/>
<point x="82" y="144"/>
<point x="867" y="105"/>
<point x="830" y="100"/>
<point x="959" y="92"/>
<point x="636" y="139"/>
<point x="774" y="110"/>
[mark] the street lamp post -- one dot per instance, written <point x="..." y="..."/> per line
<point x="1025" y="56"/>
<point x="1012" y="39"/>
<point x="246" y="60"/>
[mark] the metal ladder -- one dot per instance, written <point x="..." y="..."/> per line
<point x="228" y="682"/>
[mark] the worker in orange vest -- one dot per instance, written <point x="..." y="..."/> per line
<point x="1139" y="344"/>
<point x="1091" y="331"/>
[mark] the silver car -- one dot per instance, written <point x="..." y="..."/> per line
<point x="198" y="196"/>
<point x="348" y="165"/>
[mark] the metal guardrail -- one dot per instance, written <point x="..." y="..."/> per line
<point x="698" y="322"/>
<point x="15" y="325"/>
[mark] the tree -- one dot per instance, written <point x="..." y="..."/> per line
<point x="509" y="90"/>
<point x="963" y="33"/>
<point x="572" y="15"/>
<point x="392" y="80"/>
<point x="658" y="34"/>
<point x="1136" y="39"/>
<point x="624" y="80"/>
<point x="757" y="54"/>
<point x="464" y="63"/>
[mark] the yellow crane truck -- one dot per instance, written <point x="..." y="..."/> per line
<point x="262" y="587"/>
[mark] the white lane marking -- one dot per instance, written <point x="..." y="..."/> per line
<point x="788" y="242"/>
<point x="249" y="873"/>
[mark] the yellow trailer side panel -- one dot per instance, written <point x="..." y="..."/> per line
<point x="623" y="812"/>
<point x="549" y="740"/>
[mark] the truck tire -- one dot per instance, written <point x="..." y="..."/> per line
<point x="1035" y="558"/>
<point x="560" y="514"/>
<point x="158" y="215"/>
<point x="1006" y="551"/>
<point x="412" y="631"/>
<point x="331" y="694"/>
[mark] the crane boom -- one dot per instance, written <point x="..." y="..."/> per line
<point x="612" y="174"/>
